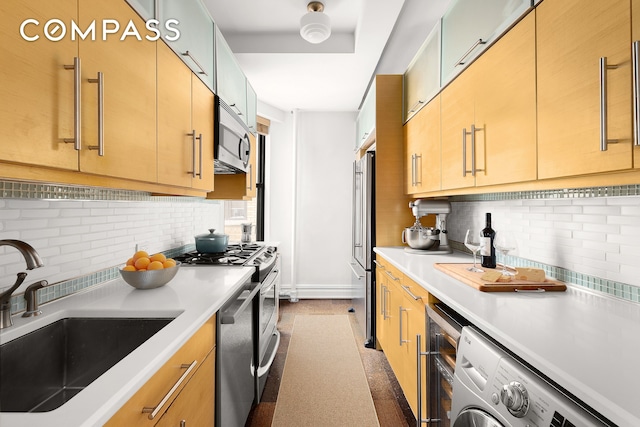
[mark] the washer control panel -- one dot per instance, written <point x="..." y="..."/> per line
<point x="488" y="378"/>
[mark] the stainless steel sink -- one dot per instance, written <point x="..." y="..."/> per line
<point x="44" y="369"/>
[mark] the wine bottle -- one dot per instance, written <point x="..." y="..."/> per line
<point x="488" y="252"/>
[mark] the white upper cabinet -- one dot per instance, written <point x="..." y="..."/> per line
<point x="195" y="44"/>
<point x="232" y="84"/>
<point x="470" y="26"/>
<point x="145" y="8"/>
<point x="422" y="78"/>
<point x="366" y="120"/>
<point x="252" y="109"/>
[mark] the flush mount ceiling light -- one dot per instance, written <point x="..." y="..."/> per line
<point x="315" y="26"/>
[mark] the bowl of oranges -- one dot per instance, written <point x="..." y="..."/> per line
<point x="144" y="271"/>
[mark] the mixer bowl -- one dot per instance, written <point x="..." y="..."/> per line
<point x="421" y="237"/>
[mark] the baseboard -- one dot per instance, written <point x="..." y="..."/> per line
<point x="315" y="291"/>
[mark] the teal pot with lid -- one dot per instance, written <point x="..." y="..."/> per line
<point x="212" y="242"/>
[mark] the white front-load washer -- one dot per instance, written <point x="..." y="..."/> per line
<point x="493" y="389"/>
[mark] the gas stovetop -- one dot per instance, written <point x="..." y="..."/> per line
<point x="236" y="254"/>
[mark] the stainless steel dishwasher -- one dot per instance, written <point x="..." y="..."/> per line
<point x="235" y="370"/>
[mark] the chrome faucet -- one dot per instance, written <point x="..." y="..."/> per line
<point x="33" y="260"/>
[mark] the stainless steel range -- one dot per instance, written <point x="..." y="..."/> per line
<point x="246" y="330"/>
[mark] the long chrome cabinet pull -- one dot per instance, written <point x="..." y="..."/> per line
<point x="413" y="107"/>
<point x="407" y="289"/>
<point x="418" y="181"/>
<point x="154" y="411"/>
<point x="604" y="141"/>
<point x="77" y="99"/>
<point x="474" y="129"/>
<point x="100" y="82"/>
<point x="413" y="170"/>
<point x="464" y="152"/>
<point x="402" y="341"/>
<point x="192" y="172"/>
<point x="635" y="52"/>
<point x="200" y="163"/>
<point x="467" y="53"/>
<point x="202" y="71"/>
<point x="391" y="275"/>
<point x="238" y="112"/>
<point x="250" y="187"/>
<point x="385" y="301"/>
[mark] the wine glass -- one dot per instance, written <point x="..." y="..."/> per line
<point x="473" y="242"/>
<point x="504" y="242"/>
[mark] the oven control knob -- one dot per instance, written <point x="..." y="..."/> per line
<point x="516" y="398"/>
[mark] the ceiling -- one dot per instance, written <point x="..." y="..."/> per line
<point x="368" y="37"/>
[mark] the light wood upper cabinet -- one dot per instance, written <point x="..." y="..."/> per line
<point x="505" y="108"/>
<point x="572" y="37"/>
<point x="489" y="117"/>
<point x="185" y="125"/>
<point x="37" y="107"/>
<point x="457" y="116"/>
<point x="202" y="120"/>
<point x="422" y="150"/>
<point x="128" y="68"/>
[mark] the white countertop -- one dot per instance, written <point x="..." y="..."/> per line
<point x="587" y="342"/>
<point x="193" y="296"/>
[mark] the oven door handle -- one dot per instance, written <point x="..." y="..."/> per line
<point x="264" y="369"/>
<point x="270" y="281"/>
<point x="229" y="319"/>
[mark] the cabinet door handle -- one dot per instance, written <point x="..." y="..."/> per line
<point x="250" y="187"/>
<point x="635" y="52"/>
<point x="375" y="261"/>
<point x="464" y="152"/>
<point x="418" y="181"/>
<point x="192" y="172"/>
<point x="153" y="412"/>
<point x="604" y="141"/>
<point x="402" y="341"/>
<point x="202" y="71"/>
<point x="408" y="290"/>
<point x="200" y="161"/>
<point x="474" y="129"/>
<point x="414" y="106"/>
<point x="385" y="314"/>
<point x="391" y="276"/>
<point x="77" y="100"/>
<point x="468" y="52"/>
<point x="413" y="171"/>
<point x="100" y="82"/>
<point x="238" y="112"/>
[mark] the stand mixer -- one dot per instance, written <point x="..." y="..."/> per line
<point x="436" y="238"/>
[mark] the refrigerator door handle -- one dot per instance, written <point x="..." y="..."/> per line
<point x="355" y="273"/>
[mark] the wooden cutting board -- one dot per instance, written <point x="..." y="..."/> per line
<point x="460" y="272"/>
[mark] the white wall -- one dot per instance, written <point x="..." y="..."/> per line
<point x="315" y="254"/>
<point x="75" y="237"/>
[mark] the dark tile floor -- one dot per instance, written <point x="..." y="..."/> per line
<point x="391" y="405"/>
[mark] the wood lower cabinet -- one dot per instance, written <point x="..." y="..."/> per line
<point x="190" y="396"/>
<point x="194" y="406"/>
<point x="400" y="318"/>
<point x="572" y="37"/>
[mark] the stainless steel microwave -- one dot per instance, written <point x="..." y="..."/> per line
<point x="231" y="146"/>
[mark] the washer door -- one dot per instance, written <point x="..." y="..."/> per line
<point x="473" y="417"/>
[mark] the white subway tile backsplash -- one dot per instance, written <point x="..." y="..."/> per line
<point x="583" y="231"/>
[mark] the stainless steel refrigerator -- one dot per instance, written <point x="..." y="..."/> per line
<point x="363" y="241"/>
